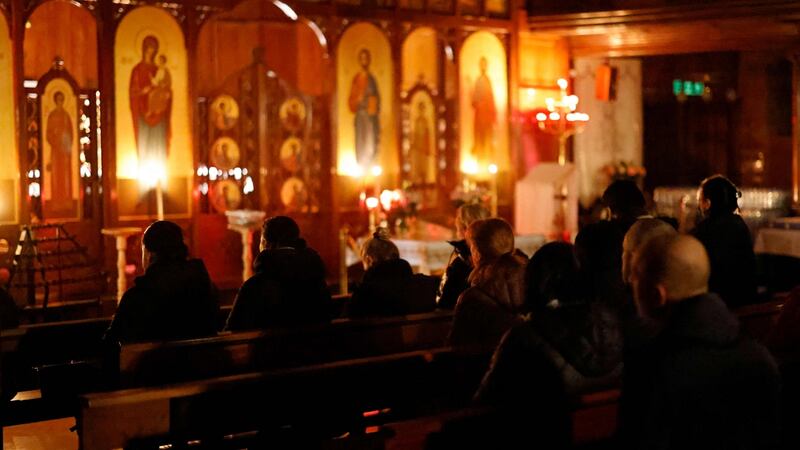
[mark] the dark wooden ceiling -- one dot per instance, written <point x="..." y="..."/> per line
<point x="685" y="28"/>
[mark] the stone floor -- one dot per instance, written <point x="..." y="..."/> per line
<point x="48" y="435"/>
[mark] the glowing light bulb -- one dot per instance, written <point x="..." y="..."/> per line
<point x="562" y="83"/>
<point x="492" y="169"/>
<point x="372" y="203"/>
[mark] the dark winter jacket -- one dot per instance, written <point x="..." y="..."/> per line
<point x="456" y="276"/>
<point x="699" y="384"/>
<point x="288" y="289"/>
<point x="172" y="300"/>
<point x="390" y="288"/>
<point x="733" y="262"/>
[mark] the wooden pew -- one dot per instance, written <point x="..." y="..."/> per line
<point x="758" y="320"/>
<point x="312" y="402"/>
<point x="398" y="397"/>
<point x="144" y="364"/>
<point x="594" y="420"/>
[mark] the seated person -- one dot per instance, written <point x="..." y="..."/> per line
<point x="174" y="299"/>
<point x="288" y="287"/>
<point x="727" y="241"/>
<point x="569" y="346"/>
<point x="626" y="204"/>
<point x="698" y="383"/>
<point x="9" y="312"/>
<point x="598" y="247"/>
<point x="494" y="302"/>
<point x="455" y="278"/>
<point x="389" y="286"/>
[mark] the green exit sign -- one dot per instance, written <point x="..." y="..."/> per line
<point x="688" y="88"/>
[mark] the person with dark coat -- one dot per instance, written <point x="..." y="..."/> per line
<point x="570" y="345"/>
<point x="626" y="204"/>
<point x="598" y="247"/>
<point x="494" y="302"/>
<point x="9" y="311"/>
<point x="456" y="276"/>
<point x="698" y="382"/>
<point x="389" y="286"/>
<point x="288" y="287"/>
<point x="174" y="299"/>
<point x="728" y="242"/>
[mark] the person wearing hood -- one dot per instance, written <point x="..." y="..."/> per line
<point x="174" y="299"/>
<point x="698" y="383"/>
<point x="389" y="286"/>
<point x="456" y="276"/>
<point x="288" y="287"/>
<point x="494" y="302"/>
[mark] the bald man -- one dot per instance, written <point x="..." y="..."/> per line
<point x="642" y="231"/>
<point x="697" y="383"/>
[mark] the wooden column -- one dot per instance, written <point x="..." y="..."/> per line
<point x="16" y="23"/>
<point x="795" y="58"/>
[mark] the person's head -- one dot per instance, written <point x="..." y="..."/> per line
<point x="163" y="242"/>
<point x="551" y="274"/>
<point x="598" y="247"/>
<point x="162" y="59"/>
<point x="483" y="64"/>
<point x="421" y="107"/>
<point x="466" y="214"/>
<point x="718" y="195"/>
<point x="149" y="48"/>
<point x="668" y="270"/>
<point x="641" y="232"/>
<point x="364" y="58"/>
<point x="488" y="240"/>
<point x="624" y="199"/>
<point x="279" y="231"/>
<point x="378" y="248"/>
<point x="58" y="97"/>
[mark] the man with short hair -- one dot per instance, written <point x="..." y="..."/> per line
<point x="288" y="287"/>
<point x="697" y="382"/>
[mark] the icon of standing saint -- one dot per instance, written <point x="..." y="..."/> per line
<point x="364" y="101"/>
<point x="59" y="135"/>
<point x="423" y="156"/>
<point x="485" y="116"/>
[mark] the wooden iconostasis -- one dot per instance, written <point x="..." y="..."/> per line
<point x="280" y="107"/>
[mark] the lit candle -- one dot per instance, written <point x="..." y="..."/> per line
<point x="493" y="188"/>
<point x="377" y="171"/>
<point x="159" y="199"/>
<point x="372" y="206"/>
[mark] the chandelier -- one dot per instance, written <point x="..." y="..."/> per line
<point x="562" y="119"/>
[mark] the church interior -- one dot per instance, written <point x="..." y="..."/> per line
<point x="351" y="116"/>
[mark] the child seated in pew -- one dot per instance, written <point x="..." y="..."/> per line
<point x="288" y="287"/>
<point x="174" y="299"/>
<point x="389" y="286"/>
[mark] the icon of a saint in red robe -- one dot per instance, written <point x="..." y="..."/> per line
<point x="485" y="117"/>
<point x="151" y="105"/>
<point x="59" y="135"/>
<point x="365" y="103"/>
<point x="423" y="158"/>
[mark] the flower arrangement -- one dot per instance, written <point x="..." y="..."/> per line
<point x="624" y="170"/>
<point x="470" y="194"/>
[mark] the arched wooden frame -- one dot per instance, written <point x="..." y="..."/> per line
<point x="439" y="143"/>
<point x="85" y="127"/>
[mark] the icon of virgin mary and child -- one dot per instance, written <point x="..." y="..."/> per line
<point x="151" y="104"/>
